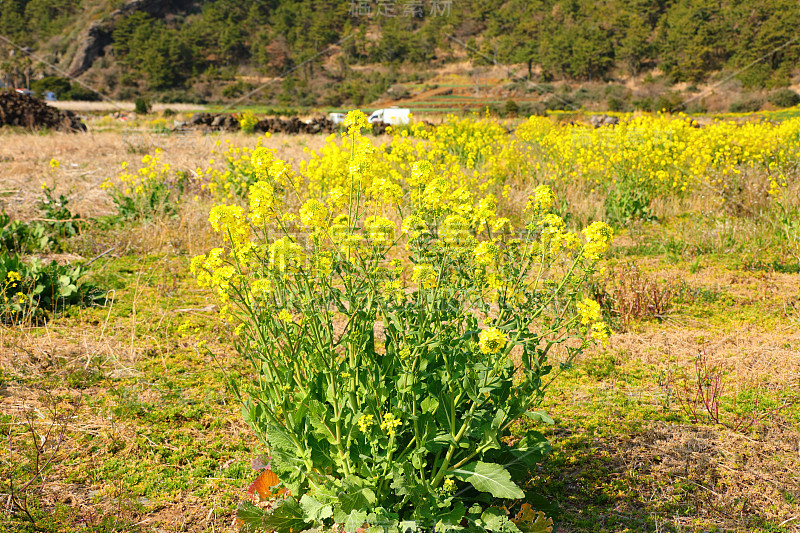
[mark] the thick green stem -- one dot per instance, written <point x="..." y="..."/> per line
<point x="453" y="447"/>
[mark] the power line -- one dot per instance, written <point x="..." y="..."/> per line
<point x="508" y="72"/>
<point x="286" y="73"/>
<point x="60" y="71"/>
<point x="746" y="67"/>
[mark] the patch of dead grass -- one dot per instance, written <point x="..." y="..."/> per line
<point x="749" y="355"/>
<point x="88" y="159"/>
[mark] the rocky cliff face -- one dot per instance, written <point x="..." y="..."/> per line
<point x="97" y="37"/>
<point x="92" y="46"/>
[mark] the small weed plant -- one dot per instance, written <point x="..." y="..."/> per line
<point x="398" y="333"/>
<point x="248" y="122"/>
<point x="703" y="396"/>
<point x="18" y="236"/>
<point x="30" y="461"/>
<point x="30" y="289"/>
<point x="59" y="219"/>
<point x="631" y="296"/>
<point x="150" y="192"/>
<point x="57" y="223"/>
<point x="141" y="106"/>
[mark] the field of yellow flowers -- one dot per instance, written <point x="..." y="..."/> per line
<point x="643" y="168"/>
<point x="527" y="325"/>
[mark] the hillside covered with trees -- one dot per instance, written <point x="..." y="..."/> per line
<point x="219" y="49"/>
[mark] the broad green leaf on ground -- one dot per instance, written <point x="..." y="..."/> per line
<point x="251" y="517"/>
<point x="355" y="495"/>
<point x="354" y="521"/>
<point x="315" y="510"/>
<point x="451" y="517"/>
<point x="494" y="520"/>
<point x="540" y="416"/>
<point x="491" y="478"/>
<point x="288" y="518"/>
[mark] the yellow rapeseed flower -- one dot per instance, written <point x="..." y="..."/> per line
<point x="261" y="288"/>
<point x="542" y="198"/>
<point x="314" y="214"/>
<point x="589" y="311"/>
<point x="230" y="221"/>
<point x="454" y="230"/>
<point x="365" y="422"/>
<point x="601" y="332"/>
<point x="284" y="253"/>
<point x="390" y="424"/>
<point x="425" y="275"/>
<point x="485" y="253"/>
<point x="262" y="200"/>
<point x="491" y="341"/>
<point x="355" y="121"/>
<point x="261" y="160"/>
<point x="380" y="230"/>
<point x="598" y="238"/>
<point x="421" y="172"/>
<point x="413" y="226"/>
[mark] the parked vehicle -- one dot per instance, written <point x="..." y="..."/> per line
<point x="337" y="118"/>
<point x="393" y="115"/>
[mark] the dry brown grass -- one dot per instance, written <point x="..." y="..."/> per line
<point x="726" y="474"/>
<point x="750" y="357"/>
<point x="88" y="159"/>
<point x="719" y="475"/>
<point x="731" y="476"/>
<point x="113" y="107"/>
<point x="45" y="367"/>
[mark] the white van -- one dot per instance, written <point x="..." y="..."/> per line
<point x="337" y="118"/>
<point x="393" y="115"/>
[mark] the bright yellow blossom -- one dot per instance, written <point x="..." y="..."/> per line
<point x="601" y="332"/>
<point x="365" y="422"/>
<point x="380" y="230"/>
<point x="313" y="214"/>
<point x="491" y="341"/>
<point x="598" y="238"/>
<point x="486" y="253"/>
<point x="262" y="199"/>
<point x="284" y="253"/>
<point x="589" y="311"/>
<point x="390" y="424"/>
<point x="425" y="275"/>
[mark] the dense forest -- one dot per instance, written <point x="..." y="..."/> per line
<point x="172" y="45"/>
